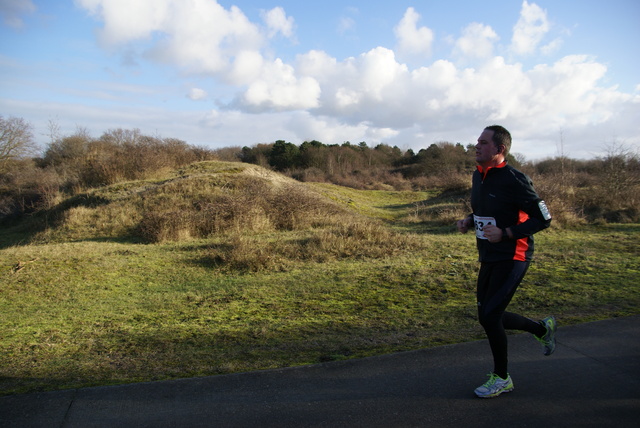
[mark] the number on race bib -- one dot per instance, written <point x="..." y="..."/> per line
<point x="480" y="223"/>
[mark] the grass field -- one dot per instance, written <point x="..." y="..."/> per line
<point x="106" y="310"/>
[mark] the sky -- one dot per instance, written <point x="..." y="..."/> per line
<point x="562" y="75"/>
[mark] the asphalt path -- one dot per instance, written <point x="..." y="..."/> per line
<point x="592" y="380"/>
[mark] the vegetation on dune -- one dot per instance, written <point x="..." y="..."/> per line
<point x="604" y="189"/>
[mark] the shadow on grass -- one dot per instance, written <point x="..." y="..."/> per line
<point x="448" y="200"/>
<point x="170" y="352"/>
<point x="21" y="231"/>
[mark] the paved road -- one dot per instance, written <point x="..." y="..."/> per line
<point x="593" y="380"/>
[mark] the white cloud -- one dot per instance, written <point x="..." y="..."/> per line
<point x="330" y="130"/>
<point x="318" y="64"/>
<point x="196" y="94"/>
<point x="345" y="25"/>
<point x="359" y="88"/>
<point x="411" y="39"/>
<point x="199" y="36"/>
<point x="12" y="11"/>
<point x="246" y="67"/>
<point x="530" y="29"/>
<point x="278" y="88"/>
<point x="278" y="22"/>
<point x="376" y="91"/>
<point x="378" y="71"/>
<point x="125" y="20"/>
<point x="551" y="47"/>
<point x="476" y="42"/>
<point x="326" y="129"/>
<point x="567" y="91"/>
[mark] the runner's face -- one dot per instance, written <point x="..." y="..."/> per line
<point x="487" y="153"/>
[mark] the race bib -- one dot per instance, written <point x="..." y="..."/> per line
<point x="480" y="223"/>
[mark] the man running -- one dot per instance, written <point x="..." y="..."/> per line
<point x="507" y="211"/>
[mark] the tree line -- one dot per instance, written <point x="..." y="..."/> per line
<point x="32" y="181"/>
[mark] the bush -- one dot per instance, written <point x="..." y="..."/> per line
<point x="600" y="190"/>
<point x="26" y="190"/>
<point x="202" y="207"/>
<point x="559" y="193"/>
<point x="353" y="239"/>
<point x="118" y="155"/>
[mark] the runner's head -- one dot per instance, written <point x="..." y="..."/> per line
<point x="501" y="137"/>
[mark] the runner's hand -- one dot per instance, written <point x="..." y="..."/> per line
<point x="493" y="233"/>
<point x="463" y="225"/>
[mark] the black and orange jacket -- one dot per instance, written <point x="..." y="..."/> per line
<point x="508" y="196"/>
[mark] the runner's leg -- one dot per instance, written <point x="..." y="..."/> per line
<point x="497" y="283"/>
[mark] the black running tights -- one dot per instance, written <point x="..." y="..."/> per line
<point x="497" y="283"/>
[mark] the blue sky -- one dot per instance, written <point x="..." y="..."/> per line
<point x="561" y="75"/>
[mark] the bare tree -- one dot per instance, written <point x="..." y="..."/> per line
<point x="54" y="131"/>
<point x="16" y="140"/>
<point x="619" y="168"/>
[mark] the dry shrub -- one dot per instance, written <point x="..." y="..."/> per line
<point x="165" y="226"/>
<point x="26" y="189"/>
<point x="315" y="175"/>
<point x="559" y="193"/>
<point x="575" y="199"/>
<point x="450" y="182"/>
<point x="354" y="239"/>
<point x="202" y="207"/>
<point x="225" y="213"/>
<point x="398" y="182"/>
<point x="600" y="203"/>
<point x="225" y="154"/>
<point x="605" y="189"/>
<point x="247" y="254"/>
<point x="374" y="179"/>
<point x="293" y="207"/>
<point x="441" y="214"/>
<point x="116" y="156"/>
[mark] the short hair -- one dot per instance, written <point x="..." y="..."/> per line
<point x="501" y="137"/>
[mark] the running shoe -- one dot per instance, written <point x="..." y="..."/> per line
<point x="494" y="386"/>
<point x="548" y="341"/>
